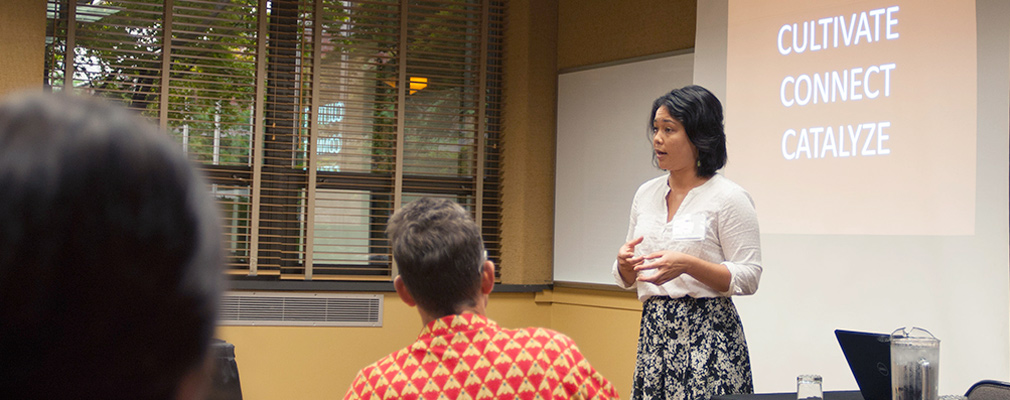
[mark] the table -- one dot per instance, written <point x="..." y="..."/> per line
<point x="830" y="395"/>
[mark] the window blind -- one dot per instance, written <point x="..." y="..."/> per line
<point x="313" y="119"/>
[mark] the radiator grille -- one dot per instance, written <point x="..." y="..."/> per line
<point x="295" y="309"/>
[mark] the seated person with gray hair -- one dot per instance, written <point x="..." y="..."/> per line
<point x="110" y="256"/>
<point x="460" y="353"/>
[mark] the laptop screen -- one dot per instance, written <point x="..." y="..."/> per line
<point x="869" y="357"/>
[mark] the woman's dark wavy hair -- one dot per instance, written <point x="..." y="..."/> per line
<point x="701" y="114"/>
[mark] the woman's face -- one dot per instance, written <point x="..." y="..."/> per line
<point x="674" y="151"/>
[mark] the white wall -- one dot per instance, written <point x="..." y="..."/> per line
<point x="955" y="286"/>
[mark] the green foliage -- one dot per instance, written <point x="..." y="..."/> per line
<point x="212" y="70"/>
<point x="211" y="67"/>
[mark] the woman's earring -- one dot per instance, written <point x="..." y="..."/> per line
<point x="698" y="164"/>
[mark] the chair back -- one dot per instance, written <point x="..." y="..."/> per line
<point x="989" y="390"/>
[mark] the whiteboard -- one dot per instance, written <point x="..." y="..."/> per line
<point x="603" y="155"/>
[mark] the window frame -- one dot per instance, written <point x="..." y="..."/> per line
<point x="479" y="191"/>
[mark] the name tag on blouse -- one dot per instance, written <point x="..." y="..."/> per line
<point x="690" y="227"/>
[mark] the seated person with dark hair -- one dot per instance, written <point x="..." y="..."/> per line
<point x="110" y="256"/>
<point x="461" y="353"/>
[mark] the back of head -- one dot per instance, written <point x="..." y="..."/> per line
<point x="110" y="262"/>
<point x="439" y="253"/>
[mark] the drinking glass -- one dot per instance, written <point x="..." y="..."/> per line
<point x="808" y="387"/>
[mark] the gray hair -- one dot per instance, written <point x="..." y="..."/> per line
<point x="439" y="251"/>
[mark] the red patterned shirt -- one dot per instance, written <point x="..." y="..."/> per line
<point x="470" y="357"/>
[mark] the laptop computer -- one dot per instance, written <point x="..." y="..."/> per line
<point x="869" y="357"/>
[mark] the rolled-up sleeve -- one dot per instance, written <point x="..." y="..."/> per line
<point x="740" y="239"/>
<point x="620" y="280"/>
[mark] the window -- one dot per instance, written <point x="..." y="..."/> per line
<point x="313" y="120"/>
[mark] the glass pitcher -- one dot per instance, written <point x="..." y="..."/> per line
<point x="915" y="364"/>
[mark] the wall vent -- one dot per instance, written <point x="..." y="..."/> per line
<point x="301" y="309"/>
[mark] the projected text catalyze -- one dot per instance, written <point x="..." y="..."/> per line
<point x="858" y="83"/>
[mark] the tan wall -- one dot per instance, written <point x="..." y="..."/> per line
<point x="320" y="362"/>
<point x="22" y="44"/>
<point x="593" y="32"/>
<point x="528" y="139"/>
<point x="605" y="326"/>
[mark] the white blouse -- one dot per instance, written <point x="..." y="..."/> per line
<point x="716" y="222"/>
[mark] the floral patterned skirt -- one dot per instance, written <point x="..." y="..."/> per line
<point x="691" y="349"/>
